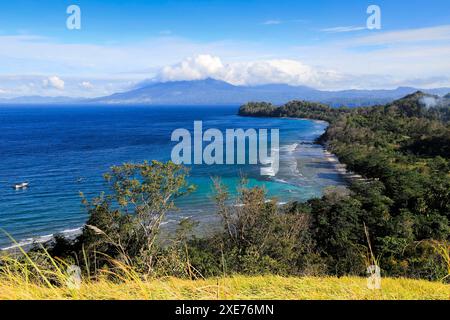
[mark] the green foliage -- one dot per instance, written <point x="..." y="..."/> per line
<point x="124" y="224"/>
<point x="261" y="237"/>
<point x="257" y="109"/>
<point x="402" y="149"/>
<point x="294" y="109"/>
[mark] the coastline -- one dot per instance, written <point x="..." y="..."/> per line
<point x="28" y="243"/>
<point x="331" y="158"/>
<point x="342" y="167"/>
<point x="296" y="153"/>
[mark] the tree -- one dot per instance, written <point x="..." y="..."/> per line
<point x="125" y="223"/>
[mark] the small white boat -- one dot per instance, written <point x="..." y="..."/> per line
<point x="22" y="185"/>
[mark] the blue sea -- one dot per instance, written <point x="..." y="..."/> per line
<point x="64" y="150"/>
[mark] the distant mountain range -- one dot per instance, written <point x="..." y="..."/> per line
<point x="215" y="92"/>
<point x="41" y="100"/>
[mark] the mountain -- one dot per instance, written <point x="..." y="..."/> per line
<point x="203" y="92"/>
<point x="215" y="92"/>
<point x="421" y="105"/>
<point x="207" y="91"/>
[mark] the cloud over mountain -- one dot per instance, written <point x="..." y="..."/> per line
<point x="54" y="82"/>
<point x="259" y="72"/>
<point x="86" y="85"/>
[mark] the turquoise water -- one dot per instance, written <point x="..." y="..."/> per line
<point x="62" y="151"/>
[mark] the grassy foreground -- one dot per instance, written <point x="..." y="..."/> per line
<point x="238" y="287"/>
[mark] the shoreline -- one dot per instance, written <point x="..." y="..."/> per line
<point x="25" y="244"/>
<point x="342" y="167"/>
<point x="326" y="157"/>
<point x="331" y="158"/>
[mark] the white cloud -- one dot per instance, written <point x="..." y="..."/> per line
<point x="35" y="85"/>
<point x="272" y="22"/>
<point x="437" y="33"/>
<point x="199" y="67"/>
<point x="284" y="71"/>
<point x="54" y="82"/>
<point x="386" y="59"/>
<point x="86" y="85"/>
<point x="24" y="55"/>
<point x="343" y="29"/>
<point x="277" y="21"/>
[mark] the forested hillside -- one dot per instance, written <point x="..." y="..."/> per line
<point x="403" y="150"/>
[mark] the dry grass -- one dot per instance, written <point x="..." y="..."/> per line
<point x="27" y="279"/>
<point x="238" y="287"/>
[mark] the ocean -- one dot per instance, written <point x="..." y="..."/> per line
<point x="64" y="150"/>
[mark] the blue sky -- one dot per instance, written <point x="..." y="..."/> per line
<point x="114" y="20"/>
<point x="322" y="43"/>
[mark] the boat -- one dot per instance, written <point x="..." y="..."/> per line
<point x="22" y="185"/>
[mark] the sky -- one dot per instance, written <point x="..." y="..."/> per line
<point x="324" y="44"/>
